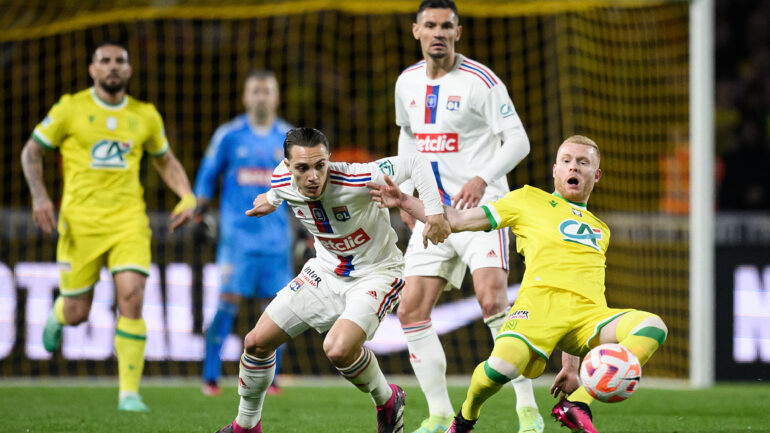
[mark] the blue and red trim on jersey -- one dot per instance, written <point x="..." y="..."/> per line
<point x="445" y="199"/>
<point x="395" y="290"/>
<point x="430" y="112"/>
<point x="323" y="225"/>
<point x="414" y="67"/>
<point x="279" y="180"/>
<point x="345" y="267"/>
<point x="346" y="179"/>
<point x="484" y="74"/>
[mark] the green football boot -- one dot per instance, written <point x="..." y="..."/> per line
<point x="530" y="420"/>
<point x="132" y="403"/>
<point x="435" y="424"/>
<point x="52" y="333"/>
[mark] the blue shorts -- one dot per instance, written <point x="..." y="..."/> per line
<point x="258" y="276"/>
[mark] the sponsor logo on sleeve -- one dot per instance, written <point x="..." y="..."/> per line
<point x="296" y="284"/>
<point x="349" y="242"/>
<point x="580" y="233"/>
<point x="506" y="110"/>
<point x="437" y="143"/>
<point x="386" y="167"/>
<point x="309" y="276"/>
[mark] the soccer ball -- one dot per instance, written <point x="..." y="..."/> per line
<point x="610" y="373"/>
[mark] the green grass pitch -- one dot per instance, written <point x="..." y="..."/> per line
<point x="39" y="409"/>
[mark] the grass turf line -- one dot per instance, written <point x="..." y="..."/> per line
<point x="36" y="409"/>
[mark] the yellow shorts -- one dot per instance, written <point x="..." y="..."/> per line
<point x="81" y="257"/>
<point x="544" y="318"/>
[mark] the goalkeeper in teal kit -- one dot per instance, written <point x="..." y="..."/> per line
<point x="253" y="254"/>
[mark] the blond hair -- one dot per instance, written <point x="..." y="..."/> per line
<point x="582" y="139"/>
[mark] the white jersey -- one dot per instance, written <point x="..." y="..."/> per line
<point x="455" y="120"/>
<point x="352" y="234"/>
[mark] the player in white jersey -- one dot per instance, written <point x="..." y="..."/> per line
<point x="353" y="282"/>
<point x="456" y="112"/>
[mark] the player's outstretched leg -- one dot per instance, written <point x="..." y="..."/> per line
<point x="530" y="420"/>
<point x="52" y="332"/>
<point x="130" y="338"/>
<point x="640" y="332"/>
<point x="216" y="334"/>
<point x="429" y="364"/>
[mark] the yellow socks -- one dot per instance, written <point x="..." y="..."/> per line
<point x="130" y="337"/>
<point x="58" y="310"/>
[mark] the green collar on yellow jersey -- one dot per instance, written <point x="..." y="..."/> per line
<point x="104" y="104"/>
<point x="583" y="205"/>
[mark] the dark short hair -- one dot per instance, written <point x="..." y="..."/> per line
<point x="436" y="4"/>
<point x="305" y="137"/>
<point x="107" y="43"/>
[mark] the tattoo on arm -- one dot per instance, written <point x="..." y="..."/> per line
<point x="32" y="165"/>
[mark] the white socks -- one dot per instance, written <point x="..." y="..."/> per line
<point x="254" y="378"/>
<point x="366" y="375"/>
<point x="525" y="397"/>
<point x="429" y="364"/>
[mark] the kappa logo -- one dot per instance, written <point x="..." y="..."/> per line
<point x="109" y="154"/>
<point x="491" y="254"/>
<point x="518" y="314"/>
<point x="341" y="213"/>
<point x="580" y="233"/>
<point x="372" y="293"/>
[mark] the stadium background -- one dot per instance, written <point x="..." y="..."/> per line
<point x="616" y="71"/>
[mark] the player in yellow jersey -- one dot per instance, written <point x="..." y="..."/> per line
<point x="102" y="134"/>
<point x="561" y="302"/>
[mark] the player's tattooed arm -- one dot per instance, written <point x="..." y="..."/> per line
<point x="32" y="165"/>
<point x="390" y="196"/>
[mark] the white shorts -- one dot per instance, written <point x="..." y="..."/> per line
<point x="317" y="298"/>
<point x="449" y="259"/>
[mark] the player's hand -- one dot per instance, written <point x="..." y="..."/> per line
<point x="470" y="194"/>
<point x="182" y="212"/>
<point x="386" y="196"/>
<point x="261" y="206"/>
<point x="565" y="383"/>
<point x="43" y="215"/>
<point x="436" y="229"/>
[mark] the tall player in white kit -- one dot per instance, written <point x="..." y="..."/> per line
<point x="352" y="283"/>
<point x="456" y="112"/>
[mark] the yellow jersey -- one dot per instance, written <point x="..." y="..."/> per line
<point x="102" y="146"/>
<point x="563" y="244"/>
